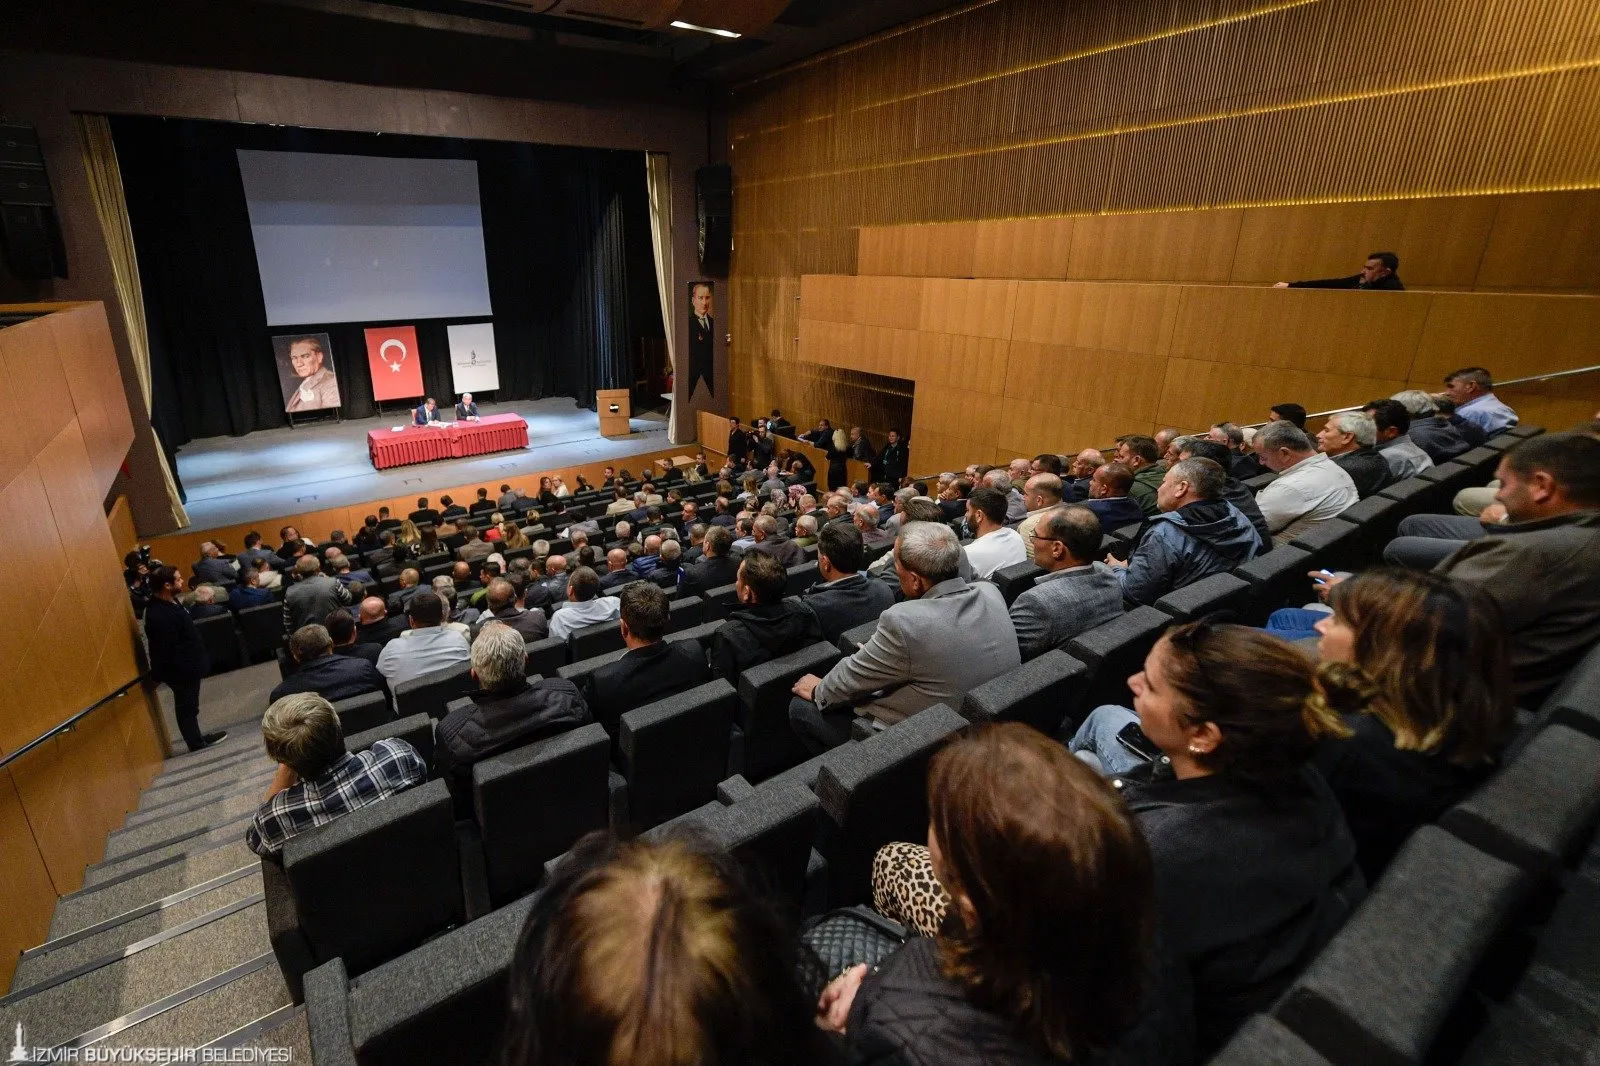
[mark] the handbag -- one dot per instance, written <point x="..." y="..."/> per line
<point x="834" y="942"/>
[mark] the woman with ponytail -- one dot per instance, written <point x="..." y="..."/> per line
<point x="1416" y="664"/>
<point x="1255" y="869"/>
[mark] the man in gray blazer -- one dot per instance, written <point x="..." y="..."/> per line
<point x="946" y="638"/>
<point x="1075" y="593"/>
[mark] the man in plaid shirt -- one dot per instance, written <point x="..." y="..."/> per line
<point x="317" y="779"/>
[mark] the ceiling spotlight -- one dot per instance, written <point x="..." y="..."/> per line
<point x="706" y="29"/>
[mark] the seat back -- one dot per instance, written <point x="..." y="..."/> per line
<point x="1219" y="592"/>
<point x="1416" y="495"/>
<point x="533" y="803"/>
<point x="851" y="640"/>
<point x="360" y="713"/>
<point x="1576" y="701"/>
<point x="685" y="613"/>
<point x="719" y="601"/>
<point x="1332" y="545"/>
<point x="801" y="577"/>
<point x="1483" y="462"/>
<point x="416" y="730"/>
<point x="1046" y="693"/>
<point x="1260" y="481"/>
<point x="1365" y="1000"/>
<point x="1115" y="651"/>
<point x="770" y="743"/>
<point x="378" y="881"/>
<point x="1377" y="517"/>
<point x="221" y="640"/>
<point x="877" y="792"/>
<point x="674" y="752"/>
<point x="546" y="656"/>
<point x="262" y="630"/>
<point x="598" y="639"/>
<point x="429" y="693"/>
<point x="1277" y="579"/>
<point x="1014" y="580"/>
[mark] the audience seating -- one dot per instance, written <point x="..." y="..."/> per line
<point x="850" y="640"/>
<point x="286" y="663"/>
<point x="719" y="601"/>
<point x="685" y="613"/>
<point x="262" y="631"/>
<point x="1261" y="1041"/>
<point x="675" y="751"/>
<point x="1115" y="651"/>
<point x="1380" y="990"/>
<point x="1260" y="481"/>
<point x="222" y="642"/>
<point x="360" y="713"/>
<point x="1482" y="459"/>
<point x="1014" y="580"/>
<point x="1043" y="693"/>
<point x="1418" y="495"/>
<point x="876" y="793"/>
<point x="801" y="577"/>
<point x="1575" y="703"/>
<point x="1376" y="519"/>
<point x="416" y="730"/>
<point x="431" y="692"/>
<point x="533" y="803"/>
<point x="1522" y="432"/>
<point x="1333" y="545"/>
<point x="1277" y="579"/>
<point x="546" y="656"/>
<point x="767" y="742"/>
<point x="598" y="639"/>
<point x="334" y="896"/>
<point x="1225" y="594"/>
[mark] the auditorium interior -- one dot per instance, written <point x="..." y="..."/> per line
<point x="1027" y="531"/>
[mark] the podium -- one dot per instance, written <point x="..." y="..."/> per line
<point x="613" y="424"/>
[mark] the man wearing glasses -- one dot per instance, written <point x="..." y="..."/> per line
<point x="1075" y="593"/>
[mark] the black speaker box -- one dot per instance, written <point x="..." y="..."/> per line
<point x="713" y="196"/>
<point x="30" y="233"/>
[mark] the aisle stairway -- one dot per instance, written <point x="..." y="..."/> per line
<point x="165" y="945"/>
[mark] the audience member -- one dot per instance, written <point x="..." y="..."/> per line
<point x="1108" y="497"/>
<point x="844" y="598"/>
<point x="1287" y="412"/>
<point x="584" y="605"/>
<point x="249" y="593"/>
<point x="805" y="531"/>
<point x="204" y="604"/>
<point x="376" y="625"/>
<point x="1075" y="593"/>
<point x="476" y="549"/>
<point x="312" y="595"/>
<point x="341" y="626"/>
<point x="1050" y="947"/>
<point x="410" y="581"/>
<point x="504" y="711"/>
<point x="1197" y="534"/>
<point x="1310" y="487"/>
<point x="1236" y="715"/>
<point x="1350" y="439"/>
<point x="1233" y="490"/>
<point x="1246" y="463"/>
<point x="655" y="954"/>
<point x="319" y="670"/>
<point x="894" y="460"/>
<point x="177" y="654"/>
<point x="769" y="542"/>
<point x="1000" y="481"/>
<point x="715" y="569"/>
<point x="424" y="515"/>
<point x="1040" y="493"/>
<point x="318" y="780"/>
<point x="617" y="572"/>
<point x="1405" y="459"/>
<point x="765" y="625"/>
<point x="945" y="639"/>
<point x="864" y="517"/>
<point x="1432" y="431"/>
<point x="994" y="543"/>
<point x="214" y="567"/>
<point x="1142" y="458"/>
<point x="1081" y="469"/>
<point x="1471" y="389"/>
<point x="652" y="668"/>
<point x="502" y="607"/>
<point x="339" y="563"/>
<point x="254" y="551"/>
<point x="1418" y="667"/>
<point x="428" y="645"/>
<point x="482" y="505"/>
<point x="1379" y="272"/>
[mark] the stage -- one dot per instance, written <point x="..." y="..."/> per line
<point x="283" y="471"/>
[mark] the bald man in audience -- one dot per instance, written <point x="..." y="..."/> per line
<point x="410" y="581"/>
<point x="1081" y="469"/>
<point x="375" y="625"/>
<point x="1109" y="499"/>
<point x="768" y="541"/>
<point x="616" y="569"/>
<point x="502" y="607"/>
<point x="1041" y="492"/>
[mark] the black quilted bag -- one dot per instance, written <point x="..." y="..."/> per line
<point x="844" y="938"/>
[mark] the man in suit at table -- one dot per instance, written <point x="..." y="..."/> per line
<point x="427" y="414"/>
<point x="466" y="410"/>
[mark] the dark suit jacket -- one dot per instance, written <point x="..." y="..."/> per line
<point x="358" y="650"/>
<point x="381" y="633"/>
<point x="782" y="549"/>
<point x="333" y="677"/>
<point x="198" y="611"/>
<point x="844" y="604"/>
<point x="427" y="517"/>
<point x="708" y="574"/>
<point x="642" y="676"/>
<point x="466" y="411"/>
<point x="176" y="649"/>
<point x="1116" y="512"/>
<point x="419" y="415"/>
<point x="218" y="571"/>
<point x="249" y="596"/>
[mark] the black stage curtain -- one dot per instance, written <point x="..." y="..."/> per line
<point x="557" y="241"/>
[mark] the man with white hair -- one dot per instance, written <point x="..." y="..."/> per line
<point x="1310" y="487"/>
<point x="1432" y="432"/>
<point x="504" y="711"/>
<point x="214" y="568"/>
<point x="1080" y="473"/>
<point x="945" y="639"/>
<point x="1349" y="438"/>
<point x="204" y="604"/>
<point x="768" y="541"/>
<point x="312" y="595"/>
<point x="865" y="518"/>
<point x="1016" y="508"/>
<point x="805" y="531"/>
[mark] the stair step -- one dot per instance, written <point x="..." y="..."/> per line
<point x="147" y="858"/>
<point x="214" y="771"/>
<point x="213" y="1014"/>
<point x="240" y="738"/>
<point x="122" y="841"/>
<point x="283" y="1028"/>
<point x="152" y="799"/>
<point x="100" y="902"/>
<point x="58" y="1012"/>
<point x="57" y="957"/>
<point x="254" y="784"/>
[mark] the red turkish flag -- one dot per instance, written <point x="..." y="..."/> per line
<point x="394" y="362"/>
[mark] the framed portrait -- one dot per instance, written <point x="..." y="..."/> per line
<point x="305" y="370"/>
<point x="702" y="335"/>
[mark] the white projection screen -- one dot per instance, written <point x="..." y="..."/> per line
<point x="355" y="238"/>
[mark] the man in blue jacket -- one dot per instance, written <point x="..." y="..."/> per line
<point x="1196" y="534"/>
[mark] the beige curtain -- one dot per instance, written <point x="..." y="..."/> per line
<point x="105" y="186"/>
<point x="659" y="176"/>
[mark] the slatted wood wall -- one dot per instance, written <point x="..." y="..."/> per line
<point x="1229" y="141"/>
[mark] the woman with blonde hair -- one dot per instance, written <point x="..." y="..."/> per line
<point x="511" y="536"/>
<point x="492" y="531"/>
<point x="407" y="540"/>
<point x="1418" y="665"/>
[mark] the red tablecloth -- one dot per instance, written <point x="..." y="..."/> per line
<point x="421" y="444"/>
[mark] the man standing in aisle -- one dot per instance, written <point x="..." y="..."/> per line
<point x="177" y="654"/>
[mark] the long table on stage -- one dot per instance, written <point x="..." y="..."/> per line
<point x="452" y="440"/>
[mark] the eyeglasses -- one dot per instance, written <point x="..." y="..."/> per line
<point x="1035" y="536"/>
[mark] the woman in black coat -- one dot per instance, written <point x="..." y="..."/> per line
<point x="1044" y="951"/>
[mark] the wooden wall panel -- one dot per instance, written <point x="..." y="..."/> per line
<point x="24" y="882"/>
<point x="1236" y="141"/>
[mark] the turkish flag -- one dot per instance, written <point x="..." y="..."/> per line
<point x="396" y="367"/>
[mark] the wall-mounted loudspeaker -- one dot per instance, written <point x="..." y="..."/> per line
<point x="713" y="200"/>
<point x="30" y="234"/>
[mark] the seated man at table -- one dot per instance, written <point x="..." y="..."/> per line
<point x="466" y="410"/>
<point x="427" y="414"/>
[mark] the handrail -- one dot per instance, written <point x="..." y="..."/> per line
<point x="1499" y="385"/>
<point x="66" y="726"/>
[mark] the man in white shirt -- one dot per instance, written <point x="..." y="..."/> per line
<point x="427" y="646"/>
<point x="995" y="544"/>
<point x="1472" y="389"/>
<point x="585" y="606"/>
<point x="1310" y="487"/>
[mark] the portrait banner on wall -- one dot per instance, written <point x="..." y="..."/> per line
<point x="472" y="361"/>
<point x="392" y="358"/>
<point x="702" y="335"/>
<point x="305" y="370"/>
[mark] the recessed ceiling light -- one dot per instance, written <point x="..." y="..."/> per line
<point x="706" y="29"/>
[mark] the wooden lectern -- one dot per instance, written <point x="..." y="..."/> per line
<point x="613" y="423"/>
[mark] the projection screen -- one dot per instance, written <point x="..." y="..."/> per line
<point x="351" y="238"/>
